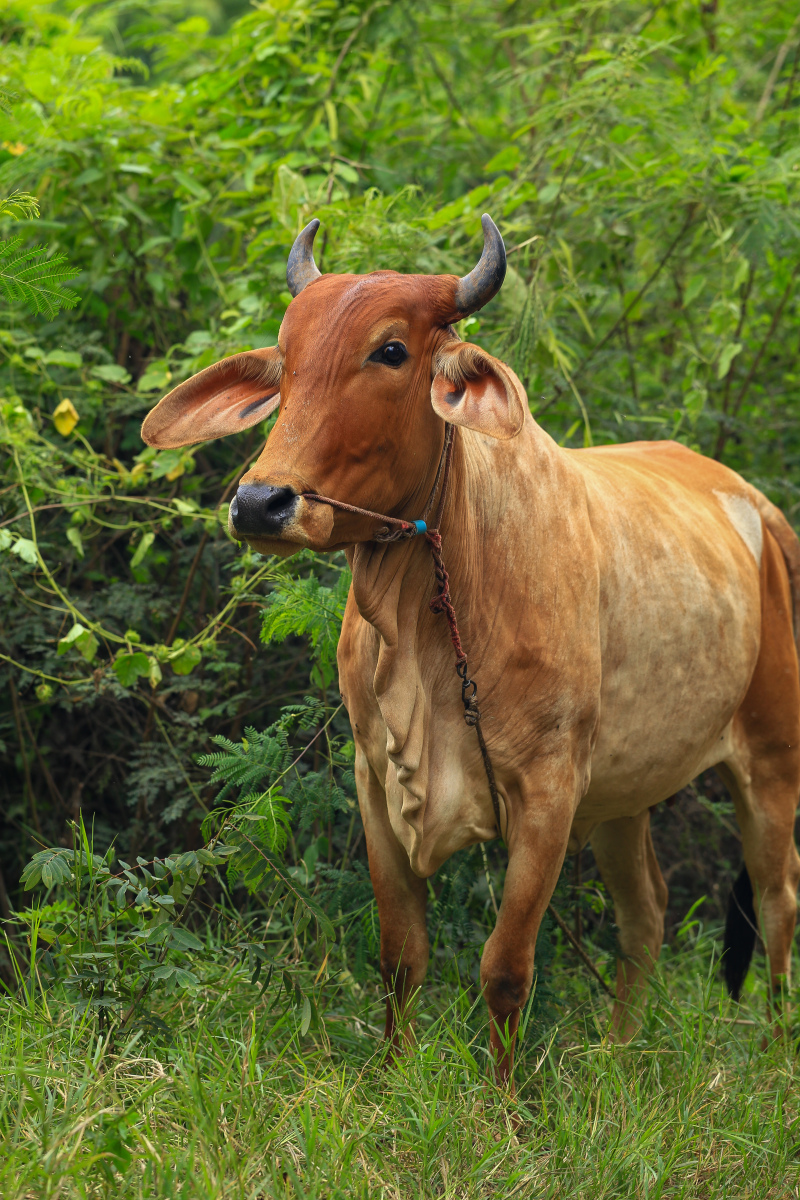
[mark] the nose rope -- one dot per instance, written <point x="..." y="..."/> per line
<point x="394" y="530"/>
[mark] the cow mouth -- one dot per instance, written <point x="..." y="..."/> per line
<point x="277" y="520"/>
<point x="261" y="511"/>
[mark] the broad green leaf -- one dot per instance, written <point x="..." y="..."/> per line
<point x="26" y="550"/>
<point x="693" y="289"/>
<point x="726" y="357"/>
<point x="185" y="662"/>
<point x="507" y="159"/>
<point x="187" y="508"/>
<point x="169" y="463"/>
<point x="129" y="667"/>
<point x="156" y="380"/>
<point x="64" y="358"/>
<point x="185" y="979"/>
<point x="145" y="542"/>
<point x="90" y="175"/>
<point x="184" y="939"/>
<point x="48" y="867"/>
<point x="150" y="243"/>
<point x="111" y="373"/>
<point x="88" y="647"/>
<point x="82" y="639"/>
<point x="192" y="185"/>
<point x="74" y="538"/>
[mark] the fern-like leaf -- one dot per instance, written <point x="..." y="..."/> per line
<point x="307" y="608"/>
<point x="20" y="206"/>
<point x="29" y="277"/>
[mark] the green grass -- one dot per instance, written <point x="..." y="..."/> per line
<point x="237" y="1104"/>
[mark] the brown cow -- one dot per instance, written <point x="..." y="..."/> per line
<point x="628" y="612"/>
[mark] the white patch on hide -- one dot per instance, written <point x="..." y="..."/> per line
<point x="745" y="519"/>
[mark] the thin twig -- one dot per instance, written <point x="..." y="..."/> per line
<point x="690" y="220"/>
<point x="578" y="948"/>
<point x="346" y="46"/>
<point x="739" y="326"/>
<point x="780" y="59"/>
<point x="173" y="629"/>
<point x="55" y="794"/>
<point x="25" y="765"/>
<point x="179" y="761"/>
<point x="627" y="333"/>
<point x="724" y="432"/>
<point x="684" y="229"/>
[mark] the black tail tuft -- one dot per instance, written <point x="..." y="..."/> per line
<point x="740" y="933"/>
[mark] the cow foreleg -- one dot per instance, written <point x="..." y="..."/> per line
<point x="536" y="853"/>
<point x="401" y="899"/>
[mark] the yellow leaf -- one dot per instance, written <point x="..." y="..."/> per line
<point x="138" y="469"/>
<point x="176" y="472"/>
<point x="65" y="417"/>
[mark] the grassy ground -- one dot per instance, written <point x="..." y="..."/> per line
<point x="237" y="1104"/>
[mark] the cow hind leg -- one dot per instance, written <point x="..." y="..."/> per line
<point x="624" y="853"/>
<point x="762" y="770"/>
<point x="764" y="897"/>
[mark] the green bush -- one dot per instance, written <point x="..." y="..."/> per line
<point x="641" y="164"/>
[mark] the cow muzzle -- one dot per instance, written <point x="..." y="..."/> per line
<point x="258" y="510"/>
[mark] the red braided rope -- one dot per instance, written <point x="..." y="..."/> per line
<point x="441" y="601"/>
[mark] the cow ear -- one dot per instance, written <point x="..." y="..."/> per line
<point x="231" y="395"/>
<point x="473" y="389"/>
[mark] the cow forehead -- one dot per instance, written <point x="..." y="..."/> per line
<point x="352" y="310"/>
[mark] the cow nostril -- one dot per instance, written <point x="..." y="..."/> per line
<point x="261" y="509"/>
<point x="279" y="501"/>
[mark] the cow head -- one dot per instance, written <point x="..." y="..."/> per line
<point x="366" y="372"/>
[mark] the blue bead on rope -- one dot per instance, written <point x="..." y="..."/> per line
<point x="420" y="526"/>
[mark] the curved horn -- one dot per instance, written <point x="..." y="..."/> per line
<point x="485" y="279"/>
<point x="301" y="270"/>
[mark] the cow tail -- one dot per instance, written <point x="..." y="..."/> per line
<point x="740" y="934"/>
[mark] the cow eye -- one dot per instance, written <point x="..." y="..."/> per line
<point x="393" y="354"/>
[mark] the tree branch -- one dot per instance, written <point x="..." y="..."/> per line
<point x="725" y="431"/>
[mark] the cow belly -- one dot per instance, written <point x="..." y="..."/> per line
<point x="672" y="681"/>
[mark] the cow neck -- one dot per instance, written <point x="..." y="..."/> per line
<point x="390" y="590"/>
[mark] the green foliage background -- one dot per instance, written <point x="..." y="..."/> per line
<point x="168" y="703"/>
<point x="643" y="165"/>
